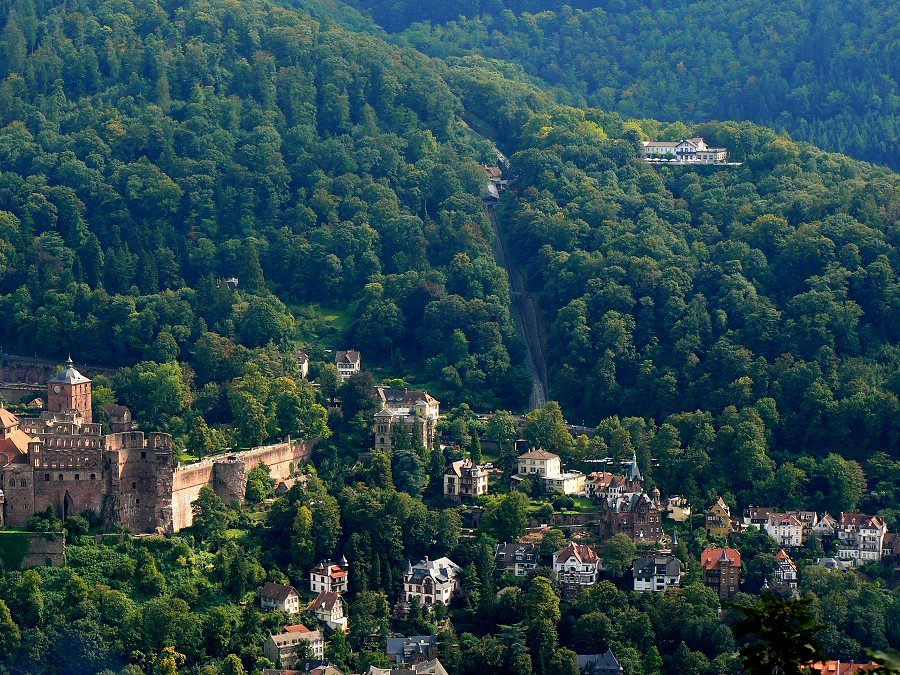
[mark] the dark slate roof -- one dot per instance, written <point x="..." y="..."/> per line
<point x="407" y="648"/>
<point x="517" y="553"/>
<point x="599" y="664"/>
<point x="277" y="592"/>
<point x="645" y="567"/>
<point x="69" y="375"/>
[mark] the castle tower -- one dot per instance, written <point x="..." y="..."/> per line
<point x="70" y="390"/>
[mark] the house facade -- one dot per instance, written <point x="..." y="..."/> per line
<point x="348" y="362"/>
<point x="284" y="649"/>
<point x="785" y="528"/>
<point x="547" y="467"/>
<point x="329" y="609"/>
<point x="860" y="538"/>
<point x="406" y="411"/>
<point x="718" y="519"/>
<point x="516" y="558"/>
<point x="690" y="150"/>
<point x="463" y="480"/>
<point x="329" y="576"/>
<point x="539" y="463"/>
<point x="567" y="483"/>
<point x="636" y="514"/>
<point x="722" y="571"/>
<point x="278" y="597"/>
<point x="786" y="573"/>
<point x="576" y="567"/>
<point x="431" y="581"/>
<point x="656" y="574"/>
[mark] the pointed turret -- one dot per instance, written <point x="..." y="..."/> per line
<point x="635" y="471"/>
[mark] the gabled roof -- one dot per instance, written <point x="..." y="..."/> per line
<point x="69" y="375"/>
<point x="722" y="505"/>
<point x="860" y="520"/>
<point x="646" y="567"/>
<point x="7" y="419"/>
<point x="717" y="558"/>
<point x="404" y="397"/>
<point x="589" y="664"/>
<point x="326" y="600"/>
<point x="277" y="592"/>
<point x="581" y="552"/>
<point x="784" y="557"/>
<point x="14" y="447"/>
<point x="538" y="453"/>
<point x="350" y="356"/>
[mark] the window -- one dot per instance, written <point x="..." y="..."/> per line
<point x="60" y="477"/>
<point x="46" y="476"/>
<point x="134" y="486"/>
<point x="23" y="483"/>
<point x="93" y="476"/>
<point x="143" y="455"/>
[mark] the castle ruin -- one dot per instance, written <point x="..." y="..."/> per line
<point x="130" y="479"/>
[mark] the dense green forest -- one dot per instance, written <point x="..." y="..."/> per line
<point x="148" y="151"/>
<point x="152" y="605"/>
<point x="743" y="317"/>
<point x="736" y="328"/>
<point x="826" y="72"/>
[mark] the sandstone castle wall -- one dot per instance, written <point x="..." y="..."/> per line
<point x="228" y="475"/>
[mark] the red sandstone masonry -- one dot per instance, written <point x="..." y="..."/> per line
<point x="227" y="475"/>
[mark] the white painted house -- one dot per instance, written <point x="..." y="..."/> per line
<point x="329" y="609"/>
<point x="431" y="581"/>
<point x="860" y="538"/>
<point x="348" y="362"/>
<point x="785" y="528"/>
<point x="656" y="574"/>
<point x="689" y="150"/>
<point x="576" y="566"/>
<point x="279" y="597"/>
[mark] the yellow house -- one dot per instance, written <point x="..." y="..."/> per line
<point x="718" y="519"/>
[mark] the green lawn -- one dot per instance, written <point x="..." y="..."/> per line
<point x="319" y="321"/>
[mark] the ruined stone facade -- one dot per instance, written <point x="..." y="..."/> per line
<point x="130" y="479"/>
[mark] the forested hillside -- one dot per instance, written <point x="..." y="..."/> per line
<point x="739" y="323"/>
<point x="826" y="72"/>
<point x="150" y="150"/>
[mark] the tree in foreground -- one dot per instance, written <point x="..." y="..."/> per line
<point x="210" y="515"/>
<point x="779" y="636"/>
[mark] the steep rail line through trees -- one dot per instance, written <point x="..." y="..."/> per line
<point x="522" y="304"/>
<point x="526" y="318"/>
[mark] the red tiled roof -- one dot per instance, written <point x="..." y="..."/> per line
<point x="583" y="553"/>
<point x="711" y="558"/>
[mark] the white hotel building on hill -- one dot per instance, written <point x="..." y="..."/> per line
<point x="688" y="151"/>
